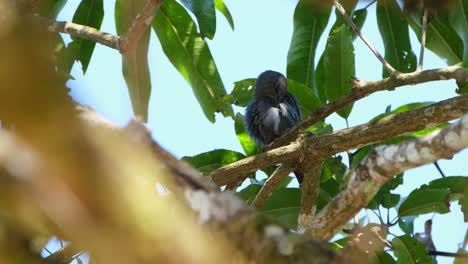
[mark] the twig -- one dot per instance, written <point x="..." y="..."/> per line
<point x="62" y="256"/>
<point x="363" y="88"/>
<point x="378" y="167"/>
<point x="371" y="3"/>
<point x="84" y="32"/>
<point x="349" y="138"/>
<point x="142" y="21"/>
<point x="348" y="19"/>
<point x="447" y="254"/>
<point x="271" y="184"/>
<point x="423" y="39"/>
<point x="439" y="169"/>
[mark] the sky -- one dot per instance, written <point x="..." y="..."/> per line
<point x="260" y="41"/>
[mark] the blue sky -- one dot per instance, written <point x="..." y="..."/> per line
<point x="260" y="41"/>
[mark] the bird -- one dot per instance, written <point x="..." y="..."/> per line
<point x="272" y="111"/>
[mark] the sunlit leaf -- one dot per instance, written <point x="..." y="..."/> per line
<point x="135" y="66"/>
<point x="89" y="13"/>
<point x="209" y="161"/>
<point x="221" y="6"/>
<point x="204" y="11"/>
<point x="191" y="56"/>
<point x="394" y="31"/>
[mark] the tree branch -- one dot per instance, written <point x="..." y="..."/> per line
<point x="310" y="189"/>
<point x="362" y="88"/>
<point x="381" y="165"/>
<point x="348" y="19"/>
<point x="345" y="139"/>
<point x="84" y="32"/>
<point x="141" y="22"/>
<point x="271" y="184"/>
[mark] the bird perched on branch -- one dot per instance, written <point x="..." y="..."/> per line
<point x="271" y="111"/>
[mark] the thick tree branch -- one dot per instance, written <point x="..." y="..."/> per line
<point x="353" y="26"/>
<point x="271" y="184"/>
<point x="141" y="22"/>
<point x="349" y="138"/>
<point x="363" y="88"/>
<point x="381" y="165"/>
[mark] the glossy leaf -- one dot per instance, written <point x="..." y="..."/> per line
<point x="394" y="31"/>
<point x="204" y="11"/>
<point x="423" y="201"/>
<point x="406" y="224"/>
<point x="135" y="66"/>
<point x="283" y="205"/>
<point x="359" y="16"/>
<point x="456" y="184"/>
<point x="459" y="21"/>
<point x="89" y="13"/>
<point x="249" y="146"/>
<point x="191" y="56"/>
<point x="308" y="101"/>
<point x="408" y="250"/>
<point x="242" y="92"/>
<point x="441" y="38"/>
<point x="209" y="161"/>
<point x="339" y="67"/>
<point x="221" y="6"/>
<point x="464" y="204"/>
<point x="310" y="20"/>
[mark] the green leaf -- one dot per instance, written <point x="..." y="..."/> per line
<point x="359" y="17"/>
<point x="339" y="67"/>
<point x="408" y="250"/>
<point x="209" y="161"/>
<point x="283" y="205"/>
<point x="456" y="184"/>
<point x="89" y="13"/>
<point x="459" y="20"/>
<point x="308" y="101"/>
<point x="394" y="31"/>
<point x="333" y="168"/>
<point x="310" y="20"/>
<point x="190" y="54"/>
<point x="441" y="38"/>
<point x="242" y="92"/>
<point x="248" y="193"/>
<point x="423" y="201"/>
<point x="383" y="257"/>
<point x="406" y="224"/>
<point x="204" y="11"/>
<point x="384" y="197"/>
<point x="249" y="146"/>
<point x="135" y="66"/>
<point x="51" y="8"/>
<point x="221" y="6"/>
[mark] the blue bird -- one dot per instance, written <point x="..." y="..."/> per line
<point x="272" y="111"/>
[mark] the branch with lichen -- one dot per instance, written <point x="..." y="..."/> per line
<point x="384" y="162"/>
<point x="346" y="139"/>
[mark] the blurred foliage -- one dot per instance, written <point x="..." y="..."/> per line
<point x="68" y="180"/>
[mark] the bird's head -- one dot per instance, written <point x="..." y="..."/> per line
<point x="271" y="85"/>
